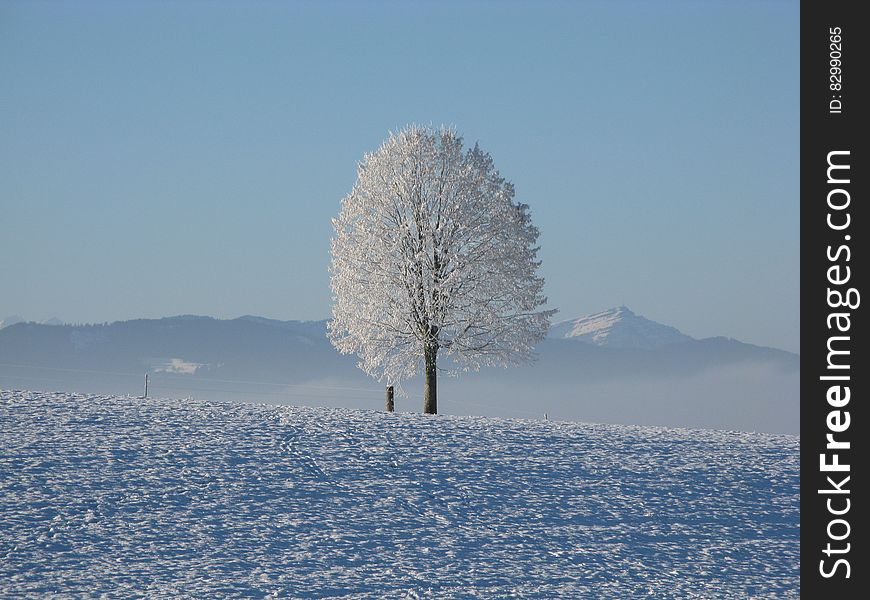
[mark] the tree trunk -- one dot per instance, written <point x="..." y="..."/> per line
<point x="390" y="405"/>
<point x="430" y="386"/>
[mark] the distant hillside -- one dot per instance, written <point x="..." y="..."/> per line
<point x="13" y="319"/>
<point x="611" y="367"/>
<point x="248" y="345"/>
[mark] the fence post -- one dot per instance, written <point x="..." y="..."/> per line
<point x="390" y="398"/>
<point x="146" y="386"/>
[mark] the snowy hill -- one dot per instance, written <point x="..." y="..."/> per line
<point x="618" y="328"/>
<point x="126" y="497"/>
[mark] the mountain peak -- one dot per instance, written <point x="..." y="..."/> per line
<point x="13" y="319"/>
<point x="10" y="320"/>
<point x="618" y="327"/>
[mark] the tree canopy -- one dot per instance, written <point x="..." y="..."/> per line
<point x="432" y="254"/>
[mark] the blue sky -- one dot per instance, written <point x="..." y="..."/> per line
<point x="164" y="158"/>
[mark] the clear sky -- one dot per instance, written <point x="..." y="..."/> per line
<point x="162" y="158"/>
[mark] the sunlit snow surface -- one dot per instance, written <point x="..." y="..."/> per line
<point x="126" y="497"/>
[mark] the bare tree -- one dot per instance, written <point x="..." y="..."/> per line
<point x="432" y="255"/>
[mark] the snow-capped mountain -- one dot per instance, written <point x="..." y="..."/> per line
<point x="10" y="320"/>
<point x="618" y="328"/>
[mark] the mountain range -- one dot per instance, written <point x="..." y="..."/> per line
<point x="612" y="366"/>
<point x="13" y="319"/>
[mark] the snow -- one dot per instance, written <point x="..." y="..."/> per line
<point x="618" y="328"/>
<point x="170" y="498"/>
<point x="179" y="366"/>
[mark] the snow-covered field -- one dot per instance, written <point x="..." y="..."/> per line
<point x="170" y="498"/>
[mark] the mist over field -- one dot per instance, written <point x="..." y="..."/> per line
<point x="613" y="367"/>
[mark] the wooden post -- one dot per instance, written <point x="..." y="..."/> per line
<point x="146" y="386"/>
<point x="390" y="406"/>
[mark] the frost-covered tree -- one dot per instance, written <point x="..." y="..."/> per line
<point x="432" y="255"/>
